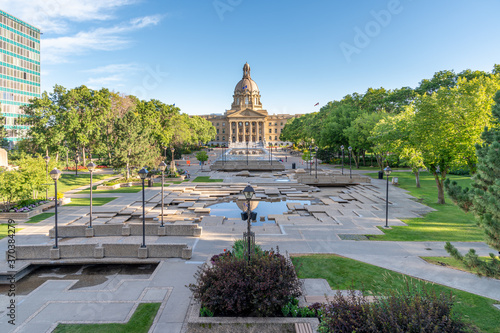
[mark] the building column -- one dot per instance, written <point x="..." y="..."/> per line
<point x="250" y="127"/>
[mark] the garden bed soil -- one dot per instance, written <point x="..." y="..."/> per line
<point x="197" y="324"/>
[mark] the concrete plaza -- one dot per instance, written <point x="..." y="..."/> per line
<point x="332" y="224"/>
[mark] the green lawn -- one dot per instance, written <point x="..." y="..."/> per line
<point x="206" y="179"/>
<point x="40" y="217"/>
<point x="4" y="230"/>
<point x="448" y="223"/>
<point x="452" y="262"/>
<point x="70" y="182"/>
<point x="140" y="322"/>
<point x="131" y="189"/>
<point x="86" y="201"/>
<point x="343" y="273"/>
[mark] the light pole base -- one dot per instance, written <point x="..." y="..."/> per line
<point x="89" y="232"/>
<point x="386" y="227"/>
<point x="162" y="231"/>
<point x="54" y="254"/>
<point x="142" y="253"/>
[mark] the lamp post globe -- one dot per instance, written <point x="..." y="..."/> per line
<point x="143" y="174"/>
<point x="55" y="174"/>
<point x="91" y="167"/>
<point x="162" y="168"/>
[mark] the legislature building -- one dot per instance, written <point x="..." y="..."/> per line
<point x="247" y="121"/>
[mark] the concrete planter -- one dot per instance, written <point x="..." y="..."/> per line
<point x="197" y="324"/>
<point x="36" y="211"/>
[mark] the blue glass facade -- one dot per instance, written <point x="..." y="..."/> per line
<point x="19" y="71"/>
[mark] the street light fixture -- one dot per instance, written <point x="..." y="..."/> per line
<point x="47" y="159"/>
<point x="77" y="160"/>
<point x="143" y="174"/>
<point x="172" y="166"/>
<point x="387" y="171"/>
<point x="350" y="165"/>
<point x="309" y="159"/>
<point x="316" y="159"/>
<point x="342" y="147"/>
<point x="247" y="152"/>
<point x="162" y="167"/>
<point x="91" y="166"/>
<point x="55" y="174"/>
<point x="248" y="192"/>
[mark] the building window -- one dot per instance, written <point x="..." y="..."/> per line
<point x="270" y="124"/>
<point x="275" y="124"/>
<point x="217" y="131"/>
<point x="217" y="138"/>
<point x="223" y="138"/>
<point x="270" y="138"/>
<point x="275" y="130"/>
<point x="281" y="123"/>
<point x="223" y="124"/>
<point x="223" y="130"/>
<point x="270" y="130"/>
<point x="246" y="100"/>
<point x="276" y="138"/>
<point x="217" y="124"/>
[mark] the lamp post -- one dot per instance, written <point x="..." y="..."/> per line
<point x="309" y="158"/>
<point x="162" y="167"/>
<point x="55" y="174"/>
<point x="77" y="160"/>
<point x="91" y="166"/>
<point x="387" y="171"/>
<point x="172" y="167"/>
<point x="271" y="156"/>
<point x="143" y="173"/>
<point x="47" y="159"/>
<point x="350" y="156"/>
<point x="248" y="192"/>
<point x="247" y="152"/>
<point x="316" y="159"/>
<point x="342" y="147"/>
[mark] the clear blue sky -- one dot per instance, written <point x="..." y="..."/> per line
<point x="191" y="53"/>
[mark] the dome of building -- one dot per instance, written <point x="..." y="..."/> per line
<point x="246" y="83"/>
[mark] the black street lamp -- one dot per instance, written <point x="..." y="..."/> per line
<point x="316" y="159"/>
<point x="172" y="166"/>
<point x="162" y="168"/>
<point x="387" y="171"/>
<point x="350" y="165"/>
<point x="47" y="159"/>
<point x="342" y="147"/>
<point x="143" y="174"/>
<point x="247" y="152"/>
<point x="271" y="156"/>
<point x="309" y="159"/>
<point x="91" y="166"/>
<point x="55" y="174"/>
<point x="77" y="160"/>
<point x="248" y="192"/>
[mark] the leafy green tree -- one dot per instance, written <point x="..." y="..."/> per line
<point x="132" y="144"/>
<point x="3" y="132"/>
<point x="202" y="156"/>
<point x="484" y="196"/>
<point x="447" y="124"/>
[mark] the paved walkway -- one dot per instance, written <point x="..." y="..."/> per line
<point x="55" y="302"/>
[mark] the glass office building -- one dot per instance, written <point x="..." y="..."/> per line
<point x="19" y="71"/>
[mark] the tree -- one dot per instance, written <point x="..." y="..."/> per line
<point x="484" y="198"/>
<point x="3" y="132"/>
<point x="202" y="157"/>
<point x="448" y="123"/>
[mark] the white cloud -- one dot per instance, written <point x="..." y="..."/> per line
<point x="112" y="75"/>
<point x="52" y="15"/>
<point x="55" y="50"/>
<point x="115" y="68"/>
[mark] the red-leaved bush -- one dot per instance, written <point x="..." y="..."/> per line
<point x="231" y="286"/>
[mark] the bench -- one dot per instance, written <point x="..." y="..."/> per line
<point x="303" y="328"/>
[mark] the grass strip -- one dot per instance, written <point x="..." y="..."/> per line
<point x="344" y="273"/>
<point x="131" y="189"/>
<point x="452" y="263"/>
<point x="140" y="322"/>
<point x="447" y="223"/>
<point x="40" y="217"/>
<point x="69" y="181"/>
<point x="206" y="179"/>
<point x="86" y="201"/>
<point x="4" y="230"/>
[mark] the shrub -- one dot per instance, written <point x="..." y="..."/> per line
<point x="233" y="287"/>
<point x="414" y="309"/>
